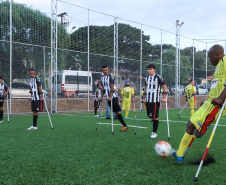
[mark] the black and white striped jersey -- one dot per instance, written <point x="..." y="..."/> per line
<point x="97" y="94"/>
<point x="3" y="89"/>
<point x="153" y="87"/>
<point x="34" y="84"/>
<point x="106" y="82"/>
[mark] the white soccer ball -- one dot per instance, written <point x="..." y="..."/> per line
<point x="163" y="149"/>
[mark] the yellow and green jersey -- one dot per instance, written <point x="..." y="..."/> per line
<point x="218" y="80"/>
<point x="127" y="93"/>
<point x="189" y="90"/>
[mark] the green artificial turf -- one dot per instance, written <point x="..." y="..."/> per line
<point x="75" y="153"/>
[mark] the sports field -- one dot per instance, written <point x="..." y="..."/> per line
<point x="75" y="153"/>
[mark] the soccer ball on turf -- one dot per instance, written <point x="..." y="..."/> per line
<point x="163" y="149"/>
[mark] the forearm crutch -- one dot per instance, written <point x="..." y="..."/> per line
<point x="99" y="115"/>
<point x="183" y="108"/>
<point x="48" y="113"/>
<point x="209" y="142"/>
<point x="8" y="107"/>
<point x="141" y="106"/>
<point x="167" y="119"/>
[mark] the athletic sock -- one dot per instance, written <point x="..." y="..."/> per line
<point x="184" y="144"/>
<point x="127" y="113"/>
<point x="95" y="111"/>
<point x="121" y="120"/>
<point x="155" y="125"/>
<point x="35" y="118"/>
<point x="1" y="115"/>
<point x="192" y="112"/>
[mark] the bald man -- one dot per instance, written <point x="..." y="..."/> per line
<point x="208" y="113"/>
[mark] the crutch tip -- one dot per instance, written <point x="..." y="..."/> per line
<point x="178" y="114"/>
<point x="112" y="133"/>
<point x="168" y="138"/>
<point x="195" y="179"/>
<point x="96" y="129"/>
<point x="52" y="128"/>
<point x="135" y="133"/>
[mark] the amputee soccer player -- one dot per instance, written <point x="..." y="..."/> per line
<point x="3" y="92"/>
<point x="108" y="88"/>
<point x="190" y="91"/>
<point x="151" y="96"/>
<point x="36" y="97"/>
<point x="208" y="113"/>
<point x="96" y="99"/>
<point x="127" y="94"/>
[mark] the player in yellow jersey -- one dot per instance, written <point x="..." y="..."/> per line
<point x="190" y="91"/>
<point x="127" y="94"/>
<point x="208" y="113"/>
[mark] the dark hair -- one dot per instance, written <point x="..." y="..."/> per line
<point x="0" y="77"/>
<point x="190" y="80"/>
<point x="31" y="69"/>
<point x="104" y="66"/>
<point x="151" y="66"/>
<point x="98" y="85"/>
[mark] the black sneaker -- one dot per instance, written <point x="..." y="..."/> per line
<point x="108" y="118"/>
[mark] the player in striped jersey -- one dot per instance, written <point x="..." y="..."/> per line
<point x="190" y="91"/>
<point x="208" y="113"/>
<point x="151" y="96"/>
<point x="36" y="97"/>
<point x="3" y="92"/>
<point x="108" y="88"/>
<point x="96" y="99"/>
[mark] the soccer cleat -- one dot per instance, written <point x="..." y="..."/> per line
<point x="153" y="135"/>
<point x="108" y="118"/>
<point x="1" y="121"/>
<point x="126" y="117"/>
<point x="32" y="128"/>
<point x="178" y="159"/>
<point x="123" y="129"/>
<point x="96" y="115"/>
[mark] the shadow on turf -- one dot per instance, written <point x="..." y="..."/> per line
<point x="208" y="160"/>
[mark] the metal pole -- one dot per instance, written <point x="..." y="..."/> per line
<point x="11" y="53"/>
<point x="206" y="71"/>
<point x="141" y="53"/>
<point x="179" y="71"/>
<point x="88" y="58"/>
<point x="161" y="63"/>
<point x="193" y="57"/>
<point x="161" y="56"/>
<point x="44" y="59"/>
<point x="176" y="69"/>
<point x="56" y="63"/>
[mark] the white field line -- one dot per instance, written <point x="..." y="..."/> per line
<point x="133" y="119"/>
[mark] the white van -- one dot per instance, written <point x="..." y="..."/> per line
<point x="74" y="80"/>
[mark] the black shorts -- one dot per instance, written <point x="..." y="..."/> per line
<point x="37" y="106"/>
<point x="96" y="104"/>
<point x="1" y="102"/>
<point x="116" y="106"/>
<point x="153" y="109"/>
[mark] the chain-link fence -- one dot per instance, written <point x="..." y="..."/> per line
<point x="86" y="40"/>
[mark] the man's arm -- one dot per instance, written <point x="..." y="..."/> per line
<point x="164" y="93"/>
<point x="219" y="100"/>
<point x="111" y="92"/>
<point x="40" y="91"/>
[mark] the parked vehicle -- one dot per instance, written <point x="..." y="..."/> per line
<point x="202" y="90"/>
<point x="77" y="81"/>
<point x="181" y="89"/>
<point x="21" y="90"/>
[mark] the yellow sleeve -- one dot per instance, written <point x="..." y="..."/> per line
<point x="122" y="91"/>
<point x="194" y="89"/>
<point x="132" y="91"/>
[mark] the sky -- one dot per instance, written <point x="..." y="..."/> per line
<point x="203" y="19"/>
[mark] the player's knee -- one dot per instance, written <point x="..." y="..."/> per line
<point x="190" y="128"/>
<point x="198" y="134"/>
